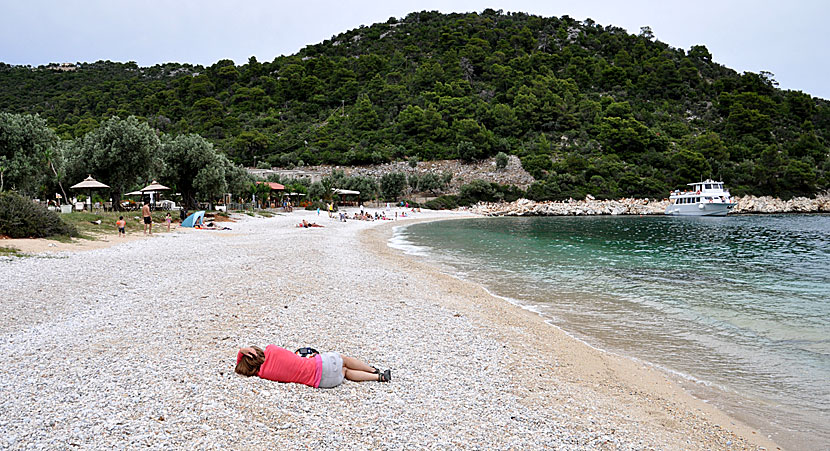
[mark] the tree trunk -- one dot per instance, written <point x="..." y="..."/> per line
<point x="116" y="201"/>
<point x="56" y="178"/>
<point x="189" y="200"/>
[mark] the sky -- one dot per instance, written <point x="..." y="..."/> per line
<point x="790" y="39"/>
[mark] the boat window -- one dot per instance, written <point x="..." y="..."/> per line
<point x="708" y="186"/>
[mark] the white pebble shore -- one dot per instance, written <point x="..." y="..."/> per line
<point x="134" y="346"/>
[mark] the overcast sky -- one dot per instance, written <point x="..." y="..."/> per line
<point x="788" y="38"/>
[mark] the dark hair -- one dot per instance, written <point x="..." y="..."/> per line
<point x="120" y="217"/>
<point x="249" y="366"/>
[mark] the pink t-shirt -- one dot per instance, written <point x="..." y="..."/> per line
<point x="282" y="365"/>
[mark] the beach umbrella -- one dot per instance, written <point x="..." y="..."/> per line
<point x="90" y="184"/>
<point x="152" y="188"/>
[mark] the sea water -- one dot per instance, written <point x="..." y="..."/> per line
<point x="738" y="307"/>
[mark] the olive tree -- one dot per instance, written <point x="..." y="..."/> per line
<point x="26" y="150"/>
<point x="236" y="177"/>
<point x="392" y="185"/>
<point x="123" y="153"/>
<point x="194" y="167"/>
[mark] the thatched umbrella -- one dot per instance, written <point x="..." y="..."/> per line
<point x="90" y="184"/>
<point x="152" y="188"/>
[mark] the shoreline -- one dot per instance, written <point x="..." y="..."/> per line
<point x="627" y="374"/>
<point x="638" y="207"/>
<point x="141" y="341"/>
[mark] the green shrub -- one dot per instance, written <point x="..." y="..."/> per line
<point x="22" y="218"/>
<point x="537" y="165"/>
<point x="445" y="202"/>
<point x="482" y="191"/>
<point x="501" y="160"/>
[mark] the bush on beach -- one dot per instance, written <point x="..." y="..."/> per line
<point x="445" y="202"/>
<point x="22" y="218"/>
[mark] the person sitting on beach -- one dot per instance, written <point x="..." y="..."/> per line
<point x="326" y="370"/>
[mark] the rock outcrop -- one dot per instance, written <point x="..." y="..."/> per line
<point x="591" y="206"/>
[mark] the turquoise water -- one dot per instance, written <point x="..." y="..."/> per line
<point x="739" y="306"/>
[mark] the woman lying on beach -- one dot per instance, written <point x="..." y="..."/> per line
<point x="307" y="224"/>
<point x="325" y="370"/>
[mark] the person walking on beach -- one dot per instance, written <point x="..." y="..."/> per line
<point x="148" y="220"/>
<point x="121" y="224"/>
<point x="326" y="370"/>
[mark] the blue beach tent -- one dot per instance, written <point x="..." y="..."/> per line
<point x="195" y="218"/>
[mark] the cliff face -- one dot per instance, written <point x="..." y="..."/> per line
<point x="591" y="206"/>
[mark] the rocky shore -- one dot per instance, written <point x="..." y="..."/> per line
<point x="591" y="206"/>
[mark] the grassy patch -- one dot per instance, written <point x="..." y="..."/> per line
<point x="11" y="252"/>
<point x="88" y="227"/>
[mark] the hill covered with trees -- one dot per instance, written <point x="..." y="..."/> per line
<point x="587" y="108"/>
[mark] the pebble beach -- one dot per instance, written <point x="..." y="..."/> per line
<point x="133" y="345"/>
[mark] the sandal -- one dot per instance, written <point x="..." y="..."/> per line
<point x="385" y="376"/>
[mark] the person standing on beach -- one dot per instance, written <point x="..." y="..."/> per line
<point x="121" y="224"/>
<point x="168" y="219"/>
<point x="326" y="370"/>
<point x="148" y="220"/>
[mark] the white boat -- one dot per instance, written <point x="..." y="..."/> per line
<point x="707" y="198"/>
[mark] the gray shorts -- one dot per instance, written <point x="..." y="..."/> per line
<point x="332" y="374"/>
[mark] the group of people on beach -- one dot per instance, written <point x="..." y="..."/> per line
<point x="121" y="224"/>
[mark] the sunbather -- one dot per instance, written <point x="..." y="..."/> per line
<point x="306" y="224"/>
<point x="325" y="370"/>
